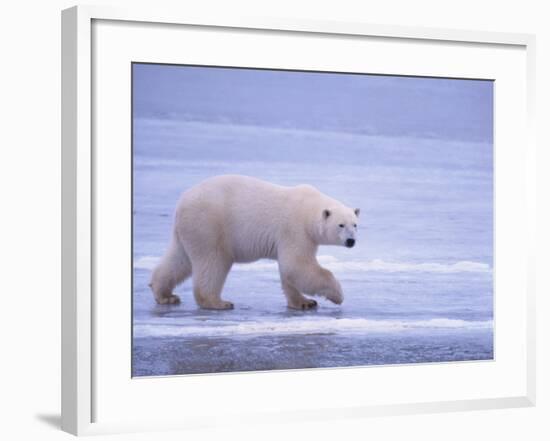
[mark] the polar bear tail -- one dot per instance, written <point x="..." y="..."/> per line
<point x="172" y="270"/>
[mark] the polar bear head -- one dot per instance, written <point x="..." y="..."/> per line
<point x="338" y="226"/>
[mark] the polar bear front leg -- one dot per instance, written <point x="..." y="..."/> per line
<point x="295" y="300"/>
<point x="309" y="277"/>
<point x="331" y="288"/>
<point x="208" y="279"/>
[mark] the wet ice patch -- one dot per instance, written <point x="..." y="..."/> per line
<point x="325" y="325"/>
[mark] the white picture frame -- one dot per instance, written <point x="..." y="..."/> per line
<point x="80" y="382"/>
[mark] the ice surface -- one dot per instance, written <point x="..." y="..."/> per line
<point x="415" y="156"/>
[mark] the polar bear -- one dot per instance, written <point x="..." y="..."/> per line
<point x="238" y="219"/>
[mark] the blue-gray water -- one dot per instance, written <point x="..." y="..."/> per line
<point x="418" y="284"/>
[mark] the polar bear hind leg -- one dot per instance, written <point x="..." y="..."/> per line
<point x="209" y="274"/>
<point x="172" y="270"/>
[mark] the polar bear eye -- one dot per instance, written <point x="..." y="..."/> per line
<point x="341" y="225"/>
<point x="354" y="225"/>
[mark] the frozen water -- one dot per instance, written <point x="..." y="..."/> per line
<point x="418" y="284"/>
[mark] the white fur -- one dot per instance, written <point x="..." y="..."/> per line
<point x="229" y="219"/>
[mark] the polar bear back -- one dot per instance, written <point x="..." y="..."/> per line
<point x="246" y="217"/>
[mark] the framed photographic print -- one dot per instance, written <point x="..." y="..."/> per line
<point x="257" y="207"/>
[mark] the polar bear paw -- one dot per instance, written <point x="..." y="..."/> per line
<point x="225" y="305"/>
<point x="219" y="305"/>
<point x="303" y="304"/>
<point x="172" y="299"/>
<point x="334" y="294"/>
<point x="335" y="297"/>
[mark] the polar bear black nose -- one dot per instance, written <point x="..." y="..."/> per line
<point x="350" y="242"/>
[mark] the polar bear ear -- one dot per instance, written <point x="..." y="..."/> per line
<point x="357" y="211"/>
<point x="326" y="214"/>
